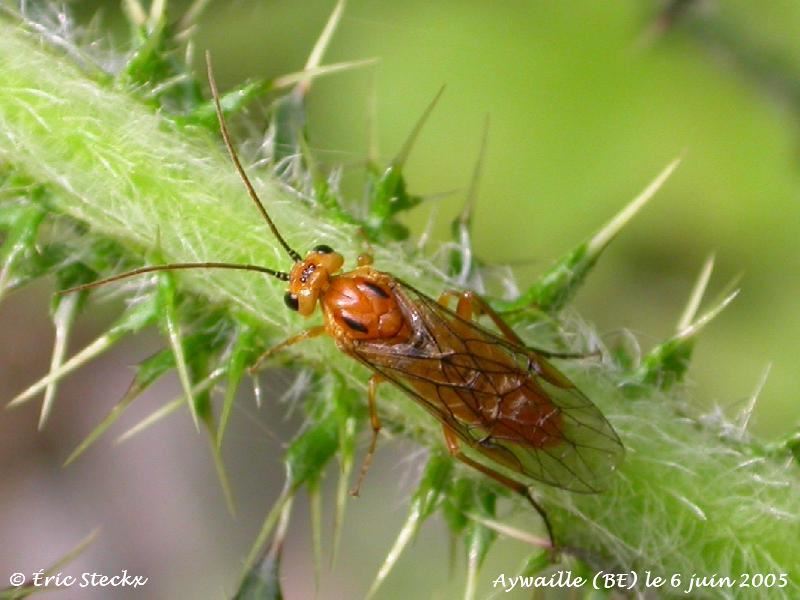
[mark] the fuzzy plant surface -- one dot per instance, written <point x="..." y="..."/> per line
<point x="114" y="162"/>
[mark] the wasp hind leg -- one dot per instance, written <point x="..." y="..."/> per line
<point x="470" y="305"/>
<point x="375" y="422"/>
<point x="455" y="451"/>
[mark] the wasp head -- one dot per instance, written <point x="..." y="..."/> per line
<point x="309" y="278"/>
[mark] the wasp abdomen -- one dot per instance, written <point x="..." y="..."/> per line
<point x="364" y="309"/>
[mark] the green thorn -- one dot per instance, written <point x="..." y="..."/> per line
<point x="242" y="355"/>
<point x="192" y="15"/>
<point x="399" y="161"/>
<point x="425" y="500"/>
<point x="556" y="287"/>
<point x="461" y="227"/>
<point x="346" y="455"/>
<point x="747" y="412"/>
<point x="21" y="237"/>
<point x="697" y="294"/>
<point x="310" y="451"/>
<point x="508" y="531"/>
<point x="170" y="407"/>
<point x="167" y="296"/>
<point x="152" y="419"/>
<point x="157" y="14"/>
<point x="315" y="508"/>
<point x="309" y="73"/>
<point x="134" y="319"/>
<point x="262" y="581"/>
<point x="75" y="552"/>
<point x="63" y="318"/>
<point x="222" y="473"/>
<point x="115" y="413"/>
<point x="602" y="238"/>
<point x="29" y="589"/>
<point x="694" y="328"/>
<point x="267" y="526"/>
<point x="97" y="347"/>
<point x="387" y="189"/>
<point x="666" y="364"/>
<point x="135" y="12"/>
<point x="324" y="39"/>
<point x="407" y="531"/>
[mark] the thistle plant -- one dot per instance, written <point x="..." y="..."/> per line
<point x="110" y="168"/>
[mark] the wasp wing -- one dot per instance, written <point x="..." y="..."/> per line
<point x="504" y="400"/>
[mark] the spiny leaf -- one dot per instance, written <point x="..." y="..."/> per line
<point x="509" y="531"/>
<point x="171" y="325"/>
<point x="479" y="539"/>
<point x="289" y="112"/>
<point x="747" y="412"/>
<point x="148" y="371"/>
<point x="154" y="417"/>
<point x="153" y="65"/>
<point x="310" y="452"/>
<point x="315" y="508"/>
<point x="387" y="190"/>
<point x="348" y="412"/>
<point x="235" y="100"/>
<point x="321" y="45"/>
<point x="243" y="353"/>
<point x="284" y="500"/>
<point x="666" y="364"/>
<point x="461" y="261"/>
<point x="262" y="581"/>
<point x="20" y="241"/>
<point x="63" y="319"/>
<point x="64" y="309"/>
<point x="136" y="317"/>
<point x="457" y="505"/>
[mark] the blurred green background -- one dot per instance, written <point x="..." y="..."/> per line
<point x="588" y="101"/>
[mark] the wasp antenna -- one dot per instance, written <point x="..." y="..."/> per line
<point x="295" y="256"/>
<point x="176" y="267"/>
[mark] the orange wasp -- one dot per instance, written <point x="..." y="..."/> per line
<point x="490" y="391"/>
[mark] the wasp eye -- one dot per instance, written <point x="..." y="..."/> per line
<point x="323" y="249"/>
<point x="291" y="301"/>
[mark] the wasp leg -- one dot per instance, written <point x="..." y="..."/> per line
<point x="364" y="260"/>
<point x="470" y="304"/>
<point x="453" y="447"/>
<point x="295" y="339"/>
<point x="375" y="422"/>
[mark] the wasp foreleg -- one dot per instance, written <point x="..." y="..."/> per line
<point x="455" y="450"/>
<point x="295" y="339"/>
<point x="375" y="422"/>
